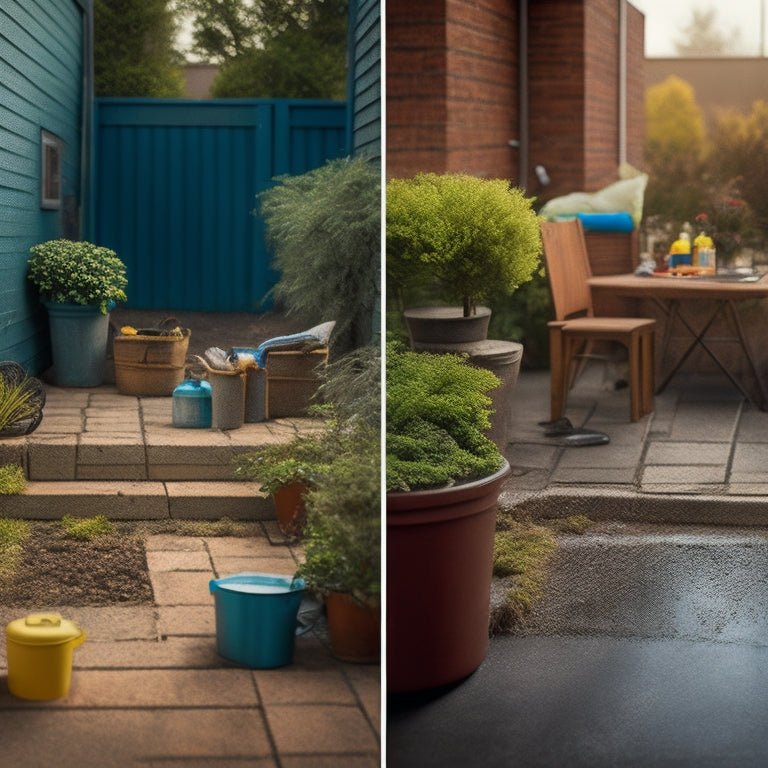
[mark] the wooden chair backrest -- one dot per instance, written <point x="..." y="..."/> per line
<point x="565" y="253"/>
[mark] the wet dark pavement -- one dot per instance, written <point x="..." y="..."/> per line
<point x="649" y="648"/>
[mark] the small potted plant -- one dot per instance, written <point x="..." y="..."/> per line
<point x="462" y="237"/>
<point x="79" y="283"/>
<point x="21" y="401"/>
<point x="342" y="547"/>
<point x="443" y="479"/>
<point x="287" y="471"/>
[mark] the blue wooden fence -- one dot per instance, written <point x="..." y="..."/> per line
<point x="176" y="184"/>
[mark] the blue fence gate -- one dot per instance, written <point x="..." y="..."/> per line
<point x="175" y="189"/>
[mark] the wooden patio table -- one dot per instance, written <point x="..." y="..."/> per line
<point x="668" y="293"/>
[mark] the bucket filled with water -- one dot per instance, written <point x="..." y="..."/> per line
<point x="257" y="618"/>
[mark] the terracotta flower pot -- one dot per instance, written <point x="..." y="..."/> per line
<point x="439" y="570"/>
<point x="291" y="509"/>
<point x="355" y="629"/>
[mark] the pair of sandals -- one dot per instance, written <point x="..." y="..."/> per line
<point x="571" y="436"/>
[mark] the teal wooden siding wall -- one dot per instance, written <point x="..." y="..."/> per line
<point x="42" y="45"/>
<point x="176" y="183"/>
<point x="365" y="76"/>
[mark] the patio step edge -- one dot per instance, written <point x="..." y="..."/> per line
<point x="139" y="500"/>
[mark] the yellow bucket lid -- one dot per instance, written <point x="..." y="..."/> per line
<point x="43" y="629"/>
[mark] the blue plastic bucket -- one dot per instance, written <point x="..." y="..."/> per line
<point x="256" y="618"/>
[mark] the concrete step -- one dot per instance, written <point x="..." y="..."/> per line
<point x="143" y="500"/>
<point x="99" y="452"/>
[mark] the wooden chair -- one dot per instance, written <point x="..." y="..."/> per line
<point x="576" y="329"/>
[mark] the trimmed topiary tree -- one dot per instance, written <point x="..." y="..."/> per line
<point x="465" y="236"/>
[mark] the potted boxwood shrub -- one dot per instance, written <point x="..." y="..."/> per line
<point x="460" y="236"/>
<point x="79" y="283"/>
<point x="443" y="477"/>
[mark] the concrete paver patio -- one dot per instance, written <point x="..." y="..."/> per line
<point x="149" y="689"/>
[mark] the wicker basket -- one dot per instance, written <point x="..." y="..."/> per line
<point x="150" y="366"/>
<point x="292" y="380"/>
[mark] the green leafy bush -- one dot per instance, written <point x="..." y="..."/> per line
<point x="342" y="538"/>
<point x="324" y="228"/>
<point x="77" y="272"/>
<point x="437" y="415"/>
<point x="464" y="235"/>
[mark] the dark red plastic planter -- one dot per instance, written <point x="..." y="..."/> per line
<point x="439" y="570"/>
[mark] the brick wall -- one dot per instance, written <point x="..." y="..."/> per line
<point x="416" y="85"/>
<point x="557" y="91"/>
<point x="482" y="87"/>
<point x="452" y="90"/>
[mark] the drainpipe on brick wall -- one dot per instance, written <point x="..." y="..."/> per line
<point x="522" y="165"/>
<point x="622" y="122"/>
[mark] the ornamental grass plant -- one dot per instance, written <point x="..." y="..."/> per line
<point x="77" y="272"/>
<point x="324" y="230"/>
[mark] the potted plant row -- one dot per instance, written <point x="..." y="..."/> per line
<point x="79" y="284"/>
<point x="455" y="238"/>
<point x="339" y="468"/>
<point x="443" y="478"/>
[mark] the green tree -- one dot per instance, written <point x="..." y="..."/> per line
<point x="133" y="49"/>
<point x="675" y="151"/>
<point x="273" y="48"/>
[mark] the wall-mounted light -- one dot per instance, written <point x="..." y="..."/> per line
<point x="542" y="175"/>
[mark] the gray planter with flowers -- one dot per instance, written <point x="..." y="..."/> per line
<point x="79" y="283"/>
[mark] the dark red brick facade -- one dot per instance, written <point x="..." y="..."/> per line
<point x="453" y="94"/>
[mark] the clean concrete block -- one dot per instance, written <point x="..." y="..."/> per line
<point x="191" y="472"/>
<point x="750" y="458"/>
<point x="214" y="500"/>
<point x="133" y="737"/>
<point x="164" y="688"/>
<point x="186" y="621"/>
<point x="320" y="729"/>
<point x="594" y="476"/>
<point x="52" y="459"/>
<point x="283" y="566"/>
<point x="684" y="475"/>
<point x="669" y="452"/>
<point x="115" y="499"/>
<point x="182" y="588"/>
<point x="176" y="560"/>
<point x="298" y="685"/>
<point x="111" y="472"/>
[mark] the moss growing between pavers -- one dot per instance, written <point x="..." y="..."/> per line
<point x="87" y="528"/>
<point x="522" y="550"/>
<point x="13" y="534"/>
<point x="12" y="480"/>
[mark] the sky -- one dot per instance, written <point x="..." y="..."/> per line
<point x="665" y="21"/>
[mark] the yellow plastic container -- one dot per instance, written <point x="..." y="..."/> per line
<point x="39" y="651"/>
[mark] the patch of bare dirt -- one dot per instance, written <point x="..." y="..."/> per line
<point x="56" y="570"/>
